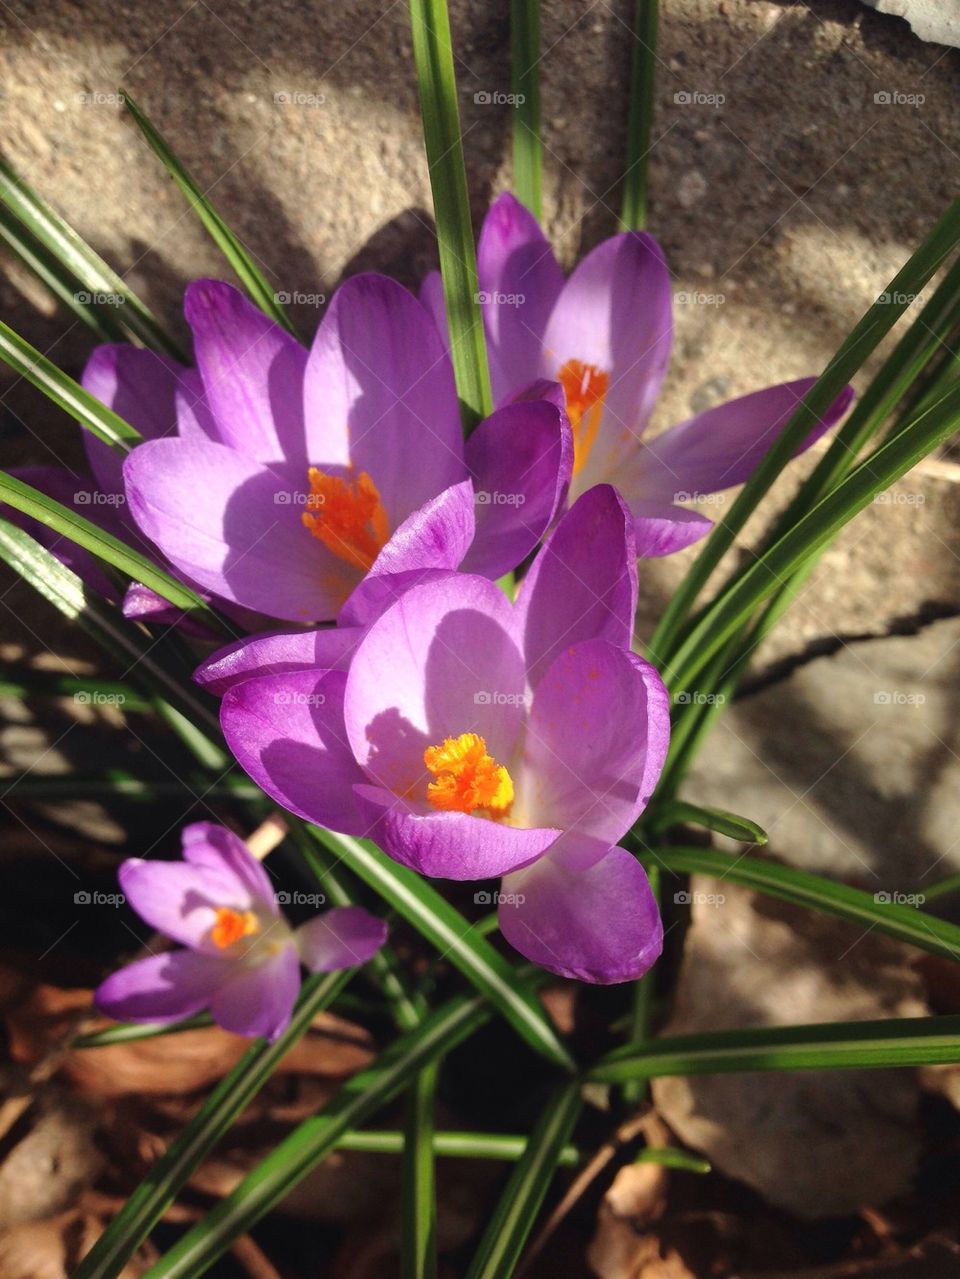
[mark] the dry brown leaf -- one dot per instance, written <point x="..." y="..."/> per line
<point x="51" y="1249"/>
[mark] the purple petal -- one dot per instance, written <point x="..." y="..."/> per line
<point x="161" y="988"/>
<point x="327" y="648"/>
<point x="520" y="459"/>
<point x="140" y="386"/>
<point x="194" y="417"/>
<point x="141" y="604"/>
<point x="724" y="445"/>
<point x="287" y="732"/>
<point x="598" y="925"/>
<point x="520" y="282"/>
<point x="340" y="938"/>
<point x="583" y="583"/>
<point x="380" y="395"/>
<point x="233" y="526"/>
<point x="225" y="854"/>
<point x="439" y="663"/>
<point x="661" y="529"/>
<point x="596" y="740"/>
<point x="435" y="537"/>
<point x="431" y="297"/>
<point x="615" y="313"/>
<point x="252" y="372"/>
<point x="258" y="1000"/>
<point x="177" y="899"/>
<point x="447" y="845"/>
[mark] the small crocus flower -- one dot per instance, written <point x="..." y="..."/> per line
<point x="474" y="738"/>
<point x="294" y="473"/>
<point x="605" y="335"/>
<point x="241" y="959"/>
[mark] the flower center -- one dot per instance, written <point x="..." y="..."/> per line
<point x="584" y="389"/>
<point x="232" y="925"/>
<point x="347" y="516"/>
<point x="467" y="778"/>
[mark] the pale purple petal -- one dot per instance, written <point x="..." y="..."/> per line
<point x="252" y="371"/>
<point x="520" y="459"/>
<point x="140" y="386"/>
<point x="161" y="988"/>
<point x="583" y="583"/>
<point x="661" y="529"/>
<point x="598" y="925"/>
<point x="225" y="854"/>
<point x="258" y="999"/>
<point x="724" y="445"/>
<point x="287" y="732"/>
<point x="141" y="604"/>
<point x="439" y="663"/>
<point x="435" y="537"/>
<point x="177" y="899"/>
<point x="380" y="395"/>
<point x="324" y="648"/>
<point x="520" y="282"/>
<point x="233" y="526"/>
<point x="340" y="938"/>
<point x="194" y="417"/>
<point x="615" y="314"/>
<point x="596" y="741"/>
<point x="447" y="845"/>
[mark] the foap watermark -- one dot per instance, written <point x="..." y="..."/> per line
<point x="894" y="297"/>
<point x="694" y="697"/>
<point x="486" y="298"/>
<point x="896" y="697"/>
<point x="894" y="98"/>
<point x="296" y="298"/>
<point x="892" y="498"/>
<point x="494" y="98"/>
<point x="296" y="497"/>
<point x="497" y="898"/>
<point x="696" y="297"/>
<point x="298" y="98"/>
<point x="687" y="897"/>
<point x="899" y="899"/>
<point x="300" y="899"/>
<point x="493" y="698"/>
<point x="96" y="697"/>
<point x="100" y="298"/>
<point x="84" y="898"/>
<point x="93" y="497"/>
<point x="96" y="98"/>
<point x="497" y="497"/>
<point x="694" y="98"/>
<point x="292" y="697"/>
<point x="712" y="499"/>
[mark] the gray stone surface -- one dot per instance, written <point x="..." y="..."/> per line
<point x="936" y="20"/>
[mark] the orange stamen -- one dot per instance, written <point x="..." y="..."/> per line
<point x="232" y="925"/>
<point x="584" y="388"/>
<point x="346" y="516"/>
<point x="467" y="778"/>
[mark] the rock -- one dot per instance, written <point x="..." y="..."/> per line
<point x="935" y="20"/>
<point x="850" y="1136"/>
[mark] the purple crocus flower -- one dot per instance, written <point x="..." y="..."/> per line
<point x="295" y="473"/>
<point x="605" y="335"/>
<point x="241" y="959"/>
<point x="474" y="738"/>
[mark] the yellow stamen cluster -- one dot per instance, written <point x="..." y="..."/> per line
<point x="347" y="516"/>
<point x="467" y="778"/>
<point x="584" y="389"/>
<point x="232" y="925"/>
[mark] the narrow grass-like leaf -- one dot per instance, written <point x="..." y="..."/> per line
<point x="57" y="386"/>
<point x="313" y="1140"/>
<point x="128" y="1033"/>
<point x="862" y="341"/>
<point x="872" y="911"/>
<point x="525" y="81"/>
<point x="433" y="55"/>
<point x="513" y="1218"/>
<point x="670" y="1157"/>
<point x="444" y="927"/>
<point x="418" y="1252"/>
<point x="80" y="262"/>
<point x="644" y="992"/>
<point x="59" y="282"/>
<point x="227" y="242"/>
<point x="140" y="656"/>
<point x="949" y="884"/>
<point x="503" y="1147"/>
<point x="643" y="59"/>
<point x="677" y="813"/>
<point x="170" y="1173"/>
<point x="874" y="474"/>
<point x="907" y="1041"/>
<point x="23" y="497"/>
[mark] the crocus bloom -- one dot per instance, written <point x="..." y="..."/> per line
<point x="241" y="959"/>
<point x="605" y="335"/>
<point x="474" y="738"/>
<point x="295" y="472"/>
